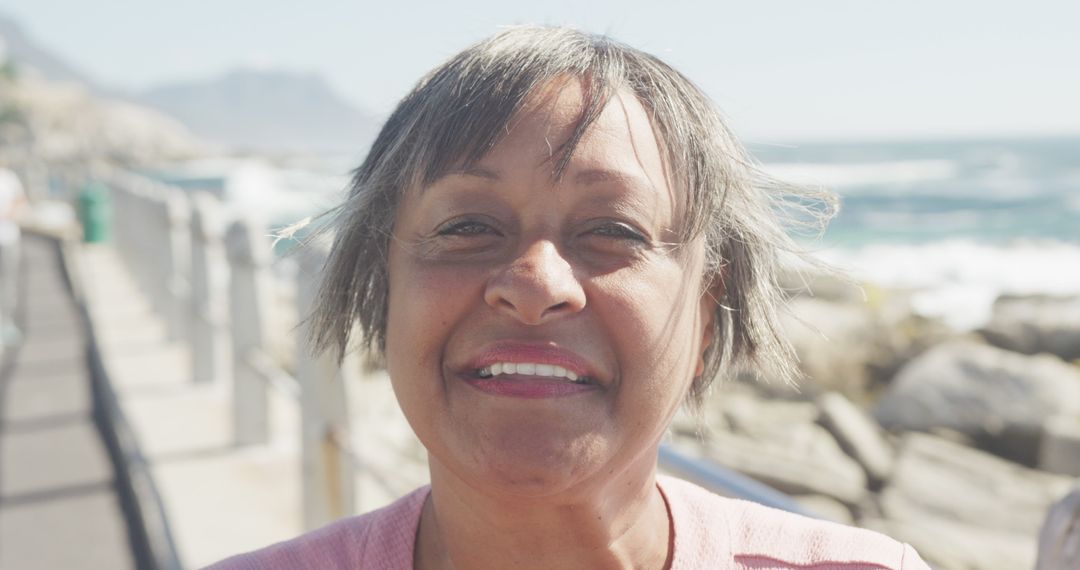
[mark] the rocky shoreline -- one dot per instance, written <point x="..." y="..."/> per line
<point x="958" y="443"/>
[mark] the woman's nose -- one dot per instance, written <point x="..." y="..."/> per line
<point x="537" y="286"/>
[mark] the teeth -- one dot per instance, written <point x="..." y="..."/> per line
<point x="527" y="369"/>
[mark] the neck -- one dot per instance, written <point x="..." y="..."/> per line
<point x="621" y="522"/>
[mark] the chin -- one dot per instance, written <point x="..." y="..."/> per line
<point x="526" y="464"/>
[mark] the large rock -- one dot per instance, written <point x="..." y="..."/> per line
<point x="1059" y="451"/>
<point x="948" y="545"/>
<point x="853" y="347"/>
<point x="806" y="461"/>
<point x="750" y="415"/>
<point x="997" y="397"/>
<point x="1036" y="323"/>
<point x="779" y="444"/>
<point x="964" y="508"/>
<point x="858" y="435"/>
<point x="937" y="476"/>
<point x="830" y="341"/>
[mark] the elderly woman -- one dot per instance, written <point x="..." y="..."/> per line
<point x="555" y="243"/>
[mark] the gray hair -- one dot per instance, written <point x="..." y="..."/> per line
<point x="460" y="110"/>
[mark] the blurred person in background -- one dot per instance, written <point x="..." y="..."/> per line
<point x="12" y="200"/>
<point x="1059" y="539"/>
<point x="555" y="242"/>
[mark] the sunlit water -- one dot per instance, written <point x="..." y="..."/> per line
<point x="959" y="222"/>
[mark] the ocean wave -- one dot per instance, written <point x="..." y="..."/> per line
<point x="958" y="280"/>
<point x="842" y="175"/>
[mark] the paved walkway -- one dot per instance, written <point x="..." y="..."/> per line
<point x="58" y="503"/>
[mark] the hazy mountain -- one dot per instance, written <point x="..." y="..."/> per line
<point x="266" y="110"/>
<point x="24" y="52"/>
<point x="54" y="112"/>
<point x="246" y="109"/>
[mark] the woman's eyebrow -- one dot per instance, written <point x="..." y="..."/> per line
<point x="473" y="171"/>
<point x="599" y="175"/>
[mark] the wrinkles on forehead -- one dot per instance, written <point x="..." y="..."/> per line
<point x="562" y="105"/>
<point x="568" y="126"/>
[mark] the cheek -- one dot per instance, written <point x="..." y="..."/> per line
<point x="655" y="316"/>
<point x="424" y="302"/>
<point x="422" y="306"/>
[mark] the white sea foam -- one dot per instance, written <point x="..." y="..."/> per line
<point x="959" y="280"/>
<point x="276" y="195"/>
<point x="839" y="175"/>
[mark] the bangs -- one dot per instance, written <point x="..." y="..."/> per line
<point x="472" y="100"/>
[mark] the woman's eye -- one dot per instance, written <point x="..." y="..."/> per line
<point x="465" y="228"/>
<point x="618" y="230"/>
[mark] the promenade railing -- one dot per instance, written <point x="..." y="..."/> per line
<point x="209" y="278"/>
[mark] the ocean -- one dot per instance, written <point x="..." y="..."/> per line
<point x="956" y="223"/>
<point x="987" y="191"/>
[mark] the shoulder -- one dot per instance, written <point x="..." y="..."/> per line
<point x="380" y="539"/>
<point x="708" y="526"/>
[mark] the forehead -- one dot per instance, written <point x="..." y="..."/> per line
<point x="621" y="130"/>
<point x="619" y="143"/>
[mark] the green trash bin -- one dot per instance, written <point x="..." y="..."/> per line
<point x="95" y="212"/>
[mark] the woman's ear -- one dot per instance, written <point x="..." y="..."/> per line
<point x="710" y="302"/>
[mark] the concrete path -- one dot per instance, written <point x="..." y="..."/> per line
<point x="58" y="504"/>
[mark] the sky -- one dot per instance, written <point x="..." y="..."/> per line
<point x="781" y="70"/>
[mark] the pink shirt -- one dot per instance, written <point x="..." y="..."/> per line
<point x="711" y="533"/>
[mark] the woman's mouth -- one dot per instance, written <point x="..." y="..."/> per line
<point x="529" y="380"/>
<point x="530" y="369"/>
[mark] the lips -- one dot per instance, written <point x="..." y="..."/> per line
<point x="531" y="359"/>
<point x="530" y="370"/>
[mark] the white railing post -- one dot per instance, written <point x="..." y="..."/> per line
<point x="176" y="258"/>
<point x="149" y="262"/>
<point x="130" y="201"/>
<point x="327" y="472"/>
<point x="125" y="220"/>
<point x="249" y="303"/>
<point x="210" y="353"/>
<point x="122" y="218"/>
<point x="121" y="202"/>
<point x="150" y="231"/>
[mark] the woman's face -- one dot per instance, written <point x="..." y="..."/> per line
<point x="506" y="285"/>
